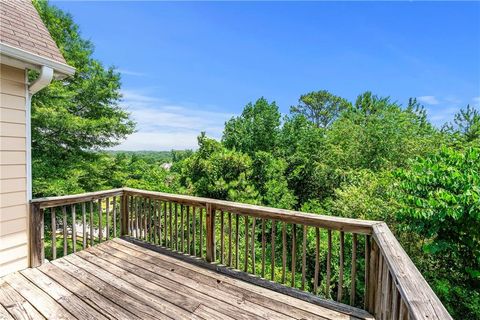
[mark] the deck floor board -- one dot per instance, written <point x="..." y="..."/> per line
<point x="122" y="280"/>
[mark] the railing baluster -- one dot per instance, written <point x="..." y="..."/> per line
<point x="176" y="227"/>
<point x="54" y="233"/>
<point x="151" y="232"/>
<point x="386" y="291"/>
<point x="395" y="301"/>
<point x="165" y="224"/>
<point x="237" y="241"/>
<point x="131" y="215"/>
<point x="194" y="221"/>
<point x="245" y="265"/>
<point x="92" y="236"/>
<point x="272" y="262"/>
<point x="138" y="221"/>
<point x="374" y="267"/>
<point x="253" y="245"/>
<point x="143" y="219"/>
<point x="182" y="228"/>
<point x="65" y="231"/>
<point x="158" y="210"/>
<point x="189" y="247"/>
<point x="263" y="247"/>
<point x="201" y="232"/>
<point x="100" y="222"/>
<point x="140" y="217"/>
<point x="403" y="312"/>
<point x="366" y="293"/>
<point x="340" y="272"/>
<point x="304" y="256"/>
<point x="317" y="261"/>
<point x="124" y="215"/>
<point x="329" y="264"/>
<point x="294" y="253"/>
<point x="284" y="252"/>
<point x="114" y="216"/>
<point x="353" y="276"/>
<point x="170" y="221"/>
<point x="107" y="214"/>
<point x="229" y="239"/>
<point x="222" y="237"/>
<point x="74" y="229"/>
<point x="210" y="224"/>
<point x="84" y="226"/>
<point x="379" y="284"/>
<point x="153" y="221"/>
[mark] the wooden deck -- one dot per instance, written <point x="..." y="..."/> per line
<point x="121" y="280"/>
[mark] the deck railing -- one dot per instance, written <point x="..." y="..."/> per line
<point x="355" y="262"/>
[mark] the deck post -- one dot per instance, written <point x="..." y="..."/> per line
<point x="37" y="247"/>
<point x="124" y="214"/>
<point x="210" y="225"/>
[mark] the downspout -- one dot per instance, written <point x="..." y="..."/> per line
<point x="43" y="80"/>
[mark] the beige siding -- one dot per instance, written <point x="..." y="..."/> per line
<point x="13" y="173"/>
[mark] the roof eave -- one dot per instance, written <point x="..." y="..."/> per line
<point x="20" y="58"/>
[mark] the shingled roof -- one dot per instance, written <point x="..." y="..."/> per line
<point x="22" y="27"/>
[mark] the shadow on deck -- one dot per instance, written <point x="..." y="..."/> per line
<point x="119" y="279"/>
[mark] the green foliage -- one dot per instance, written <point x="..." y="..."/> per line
<point x="378" y="134"/>
<point x="76" y="115"/>
<point x="269" y="179"/>
<point x="255" y="130"/>
<point x="320" y="107"/>
<point x="440" y="197"/>
<point x="365" y="195"/>
<point x="301" y="144"/>
<point x="465" y="130"/>
<point x="217" y="172"/>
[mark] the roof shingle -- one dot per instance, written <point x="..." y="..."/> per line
<point x="22" y="27"/>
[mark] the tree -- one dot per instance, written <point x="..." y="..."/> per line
<point x="256" y="129"/>
<point x="465" y="129"/>
<point x="217" y="172"/>
<point x="270" y="181"/>
<point x="440" y="199"/>
<point x="320" y="107"/>
<point x="377" y="134"/>
<point x="301" y="145"/>
<point x="79" y="114"/>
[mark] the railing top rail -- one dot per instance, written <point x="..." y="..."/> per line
<point x="49" y="202"/>
<point x="310" y="219"/>
<point x="420" y="299"/>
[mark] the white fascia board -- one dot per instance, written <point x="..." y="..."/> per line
<point x="23" y="59"/>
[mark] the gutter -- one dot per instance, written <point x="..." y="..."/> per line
<point x="20" y="58"/>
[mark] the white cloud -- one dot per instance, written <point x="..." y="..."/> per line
<point x="163" y="126"/>
<point x="431" y="100"/>
<point x="441" y="115"/>
<point x="131" y="73"/>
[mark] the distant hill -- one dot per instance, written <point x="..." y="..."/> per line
<point x="154" y="156"/>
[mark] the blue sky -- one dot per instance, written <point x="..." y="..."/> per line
<point x="189" y="66"/>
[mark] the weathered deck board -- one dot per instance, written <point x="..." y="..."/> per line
<point x="221" y="283"/>
<point x="121" y="280"/>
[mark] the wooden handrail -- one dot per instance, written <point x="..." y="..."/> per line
<point x="413" y="290"/>
<point x="49" y="202"/>
<point x="225" y="233"/>
<point x="290" y="216"/>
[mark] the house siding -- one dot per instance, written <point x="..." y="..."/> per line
<point x="13" y="173"/>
